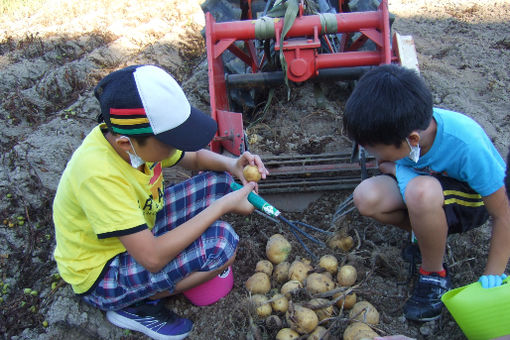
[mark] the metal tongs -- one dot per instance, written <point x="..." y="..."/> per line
<point x="270" y="212"/>
<point x="358" y="154"/>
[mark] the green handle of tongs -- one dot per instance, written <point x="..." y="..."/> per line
<point x="258" y="202"/>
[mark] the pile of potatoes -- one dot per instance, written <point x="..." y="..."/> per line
<point x="293" y="296"/>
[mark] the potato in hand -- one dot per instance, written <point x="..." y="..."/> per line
<point x="251" y="173"/>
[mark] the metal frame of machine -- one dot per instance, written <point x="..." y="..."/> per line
<point x="304" y="53"/>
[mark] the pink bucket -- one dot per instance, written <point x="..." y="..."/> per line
<point x="211" y="291"/>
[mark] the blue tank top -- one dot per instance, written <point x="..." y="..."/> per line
<point x="461" y="150"/>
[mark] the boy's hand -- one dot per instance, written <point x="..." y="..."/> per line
<point x="245" y="159"/>
<point x="387" y="167"/>
<point x="237" y="201"/>
<point x="491" y="281"/>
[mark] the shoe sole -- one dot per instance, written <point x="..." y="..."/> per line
<point x="425" y="319"/>
<point x="123" y="322"/>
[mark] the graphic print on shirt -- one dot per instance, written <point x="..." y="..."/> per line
<point x="154" y="202"/>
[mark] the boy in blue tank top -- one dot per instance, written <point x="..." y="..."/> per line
<point x="441" y="174"/>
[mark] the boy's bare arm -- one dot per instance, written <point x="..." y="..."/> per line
<point x="499" y="252"/>
<point x="155" y="252"/>
<point x="208" y="160"/>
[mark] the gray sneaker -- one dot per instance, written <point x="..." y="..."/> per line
<point x="425" y="304"/>
<point x="152" y="319"/>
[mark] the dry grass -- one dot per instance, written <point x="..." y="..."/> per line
<point x="74" y="17"/>
<point x="16" y="8"/>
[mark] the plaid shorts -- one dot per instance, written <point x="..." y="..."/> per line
<point x="125" y="281"/>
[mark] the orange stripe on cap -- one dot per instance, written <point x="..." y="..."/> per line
<point x="127" y="112"/>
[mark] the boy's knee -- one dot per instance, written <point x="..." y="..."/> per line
<point x="222" y="239"/>
<point x="424" y="192"/>
<point x="365" y="198"/>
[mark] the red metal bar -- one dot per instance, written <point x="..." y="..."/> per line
<point x="217" y="87"/>
<point x="340" y="5"/>
<point x="346" y="22"/>
<point x="348" y="59"/>
<point x="230" y="131"/>
<point x="250" y="46"/>
<point x="250" y="14"/>
<point x="248" y="59"/>
<point x="355" y="45"/>
<point x="385" y="23"/>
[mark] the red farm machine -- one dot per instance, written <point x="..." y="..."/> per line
<point x="274" y="43"/>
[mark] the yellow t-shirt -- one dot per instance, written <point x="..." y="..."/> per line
<point x="100" y="197"/>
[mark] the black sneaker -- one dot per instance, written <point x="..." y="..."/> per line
<point x="152" y="319"/>
<point x="425" y="303"/>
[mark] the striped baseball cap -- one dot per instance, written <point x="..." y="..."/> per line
<point x="144" y="100"/>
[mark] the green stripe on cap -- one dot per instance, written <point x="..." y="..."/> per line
<point x="133" y="131"/>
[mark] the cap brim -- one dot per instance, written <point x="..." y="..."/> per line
<point x="192" y="135"/>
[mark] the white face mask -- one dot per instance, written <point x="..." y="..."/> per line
<point x="134" y="159"/>
<point x="414" y="154"/>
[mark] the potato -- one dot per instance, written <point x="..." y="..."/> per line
<point x="306" y="261"/>
<point x="346" y="243"/>
<point x="347" y="275"/>
<point x="350" y="300"/>
<point x="320" y="333"/>
<point x="322" y="313"/>
<point x="303" y="320"/>
<point x="258" y="283"/>
<point x="358" y="331"/>
<point x="264" y="266"/>
<point x="251" y="173"/>
<point x="261" y="303"/>
<point x="299" y="271"/>
<point x="330" y="263"/>
<point x="341" y="241"/>
<point x="290" y="286"/>
<point x="365" y="312"/>
<point x="318" y="283"/>
<point x="286" y="334"/>
<point x="280" y="303"/>
<point x="277" y="248"/>
<point x="281" y="272"/>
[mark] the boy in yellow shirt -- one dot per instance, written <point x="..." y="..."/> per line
<point x="123" y="240"/>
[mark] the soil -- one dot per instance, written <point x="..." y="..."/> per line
<point x="53" y="53"/>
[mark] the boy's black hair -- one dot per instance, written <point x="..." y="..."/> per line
<point x="387" y="104"/>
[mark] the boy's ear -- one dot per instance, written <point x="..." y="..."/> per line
<point x="414" y="138"/>
<point x="123" y="143"/>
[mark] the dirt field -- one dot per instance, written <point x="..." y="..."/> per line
<point x="52" y="55"/>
